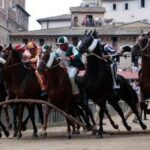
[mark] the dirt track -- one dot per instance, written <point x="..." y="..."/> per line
<point x="57" y="140"/>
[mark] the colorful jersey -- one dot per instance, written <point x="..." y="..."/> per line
<point x="74" y="56"/>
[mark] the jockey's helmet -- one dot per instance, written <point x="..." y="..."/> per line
<point x="31" y="45"/>
<point x="46" y="48"/>
<point x="62" y="40"/>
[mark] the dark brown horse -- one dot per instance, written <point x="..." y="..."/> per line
<point x="142" y="48"/>
<point x="20" y="83"/>
<point x="2" y="98"/>
<point x="99" y="81"/>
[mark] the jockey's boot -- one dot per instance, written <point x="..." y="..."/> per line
<point x="43" y="92"/>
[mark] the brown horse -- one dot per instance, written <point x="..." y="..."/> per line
<point x="142" y="48"/>
<point x="59" y="88"/>
<point x="20" y="83"/>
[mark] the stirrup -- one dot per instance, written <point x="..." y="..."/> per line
<point x="116" y="87"/>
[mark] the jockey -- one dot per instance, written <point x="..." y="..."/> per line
<point x="31" y="55"/>
<point x="112" y="57"/>
<point x="71" y="59"/>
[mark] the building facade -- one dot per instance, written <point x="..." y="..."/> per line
<point x="125" y="11"/>
<point x="90" y="15"/>
<point x="13" y="18"/>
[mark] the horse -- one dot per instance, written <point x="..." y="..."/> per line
<point x="2" y="98"/>
<point x="142" y="48"/>
<point x="20" y="83"/>
<point x="99" y="81"/>
<point x="59" y="87"/>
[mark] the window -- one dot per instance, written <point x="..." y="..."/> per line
<point x="75" y="21"/>
<point x="126" y="6"/>
<point x="114" y="6"/>
<point x="142" y="3"/>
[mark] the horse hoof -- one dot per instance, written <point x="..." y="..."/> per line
<point x="6" y="133"/>
<point x="14" y="134"/>
<point x="144" y="127"/>
<point x="128" y="128"/>
<point x="0" y="135"/>
<point x="44" y="135"/>
<point x="116" y="126"/>
<point x="24" y="128"/>
<point x="19" y="136"/>
<point x="34" y="136"/>
<point x="99" y="136"/>
<point x="94" y="131"/>
<point x="69" y="137"/>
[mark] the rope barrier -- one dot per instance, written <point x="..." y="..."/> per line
<point x="42" y="102"/>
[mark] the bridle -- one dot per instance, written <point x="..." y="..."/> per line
<point x="45" y="63"/>
<point x="92" y="47"/>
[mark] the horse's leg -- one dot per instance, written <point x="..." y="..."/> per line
<point x="9" y="125"/>
<point x="15" y="110"/>
<point x="68" y="128"/>
<point x="40" y="111"/>
<point x="119" y="110"/>
<point x="79" y="112"/>
<point x="32" y="117"/>
<point x="134" y="109"/>
<point x="115" y="126"/>
<point x="88" y="112"/>
<point x="101" y="115"/>
<point x="20" y="116"/>
<point x="46" y="114"/>
<point x="24" y="123"/>
<point x="3" y="127"/>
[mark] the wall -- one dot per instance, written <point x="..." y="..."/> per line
<point x="134" y="13"/>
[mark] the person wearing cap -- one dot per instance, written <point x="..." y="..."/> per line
<point x="31" y="55"/>
<point x="72" y="60"/>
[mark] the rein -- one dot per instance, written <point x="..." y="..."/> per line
<point x="52" y="67"/>
<point x="93" y="54"/>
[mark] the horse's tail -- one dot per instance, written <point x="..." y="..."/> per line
<point x="126" y="90"/>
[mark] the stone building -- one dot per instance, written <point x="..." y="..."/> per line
<point x="90" y="15"/>
<point x="13" y="18"/>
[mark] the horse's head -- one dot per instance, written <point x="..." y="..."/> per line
<point x="46" y="61"/>
<point x="88" y="42"/>
<point x="141" y="47"/>
<point x="9" y="56"/>
<point x="5" y="54"/>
